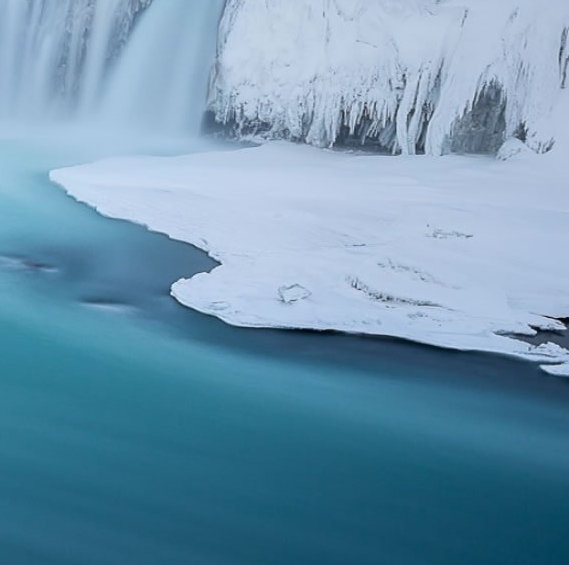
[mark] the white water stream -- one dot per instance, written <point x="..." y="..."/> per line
<point x="107" y="61"/>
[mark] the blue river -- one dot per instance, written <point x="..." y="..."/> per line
<point x="134" y="431"/>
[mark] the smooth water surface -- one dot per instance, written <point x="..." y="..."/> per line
<point x="134" y="431"/>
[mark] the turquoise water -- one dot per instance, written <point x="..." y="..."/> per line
<point x="134" y="431"/>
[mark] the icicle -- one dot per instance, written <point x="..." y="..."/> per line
<point x="336" y="67"/>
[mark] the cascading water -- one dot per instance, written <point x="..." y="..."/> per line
<point x="93" y="60"/>
<point x="54" y="53"/>
<point x="161" y="79"/>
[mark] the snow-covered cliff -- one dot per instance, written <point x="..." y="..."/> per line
<point x="406" y="75"/>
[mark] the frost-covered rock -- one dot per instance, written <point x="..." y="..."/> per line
<point x="405" y="75"/>
<point x="293" y="293"/>
<point x="55" y="54"/>
<point x="512" y="148"/>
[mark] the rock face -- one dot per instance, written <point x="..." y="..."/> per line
<point x="403" y="76"/>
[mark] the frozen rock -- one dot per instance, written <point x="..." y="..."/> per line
<point x="293" y="293"/>
<point x="512" y="148"/>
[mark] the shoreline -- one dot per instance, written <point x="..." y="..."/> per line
<point x="289" y="277"/>
<point x="560" y="336"/>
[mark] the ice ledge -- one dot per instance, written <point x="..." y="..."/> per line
<point x="557" y="370"/>
<point x="454" y="252"/>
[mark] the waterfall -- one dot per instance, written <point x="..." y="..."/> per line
<point x="130" y="63"/>
<point x="161" y="80"/>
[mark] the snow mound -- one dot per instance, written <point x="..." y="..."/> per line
<point x="513" y="148"/>
<point x="456" y="252"/>
<point x="557" y="370"/>
<point x="407" y="75"/>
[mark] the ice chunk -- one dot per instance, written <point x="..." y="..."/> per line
<point x="293" y="293"/>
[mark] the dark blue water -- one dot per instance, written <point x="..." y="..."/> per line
<point x="134" y="431"/>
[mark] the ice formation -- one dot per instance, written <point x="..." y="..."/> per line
<point x="459" y="252"/>
<point x="406" y="75"/>
<point x="453" y="251"/>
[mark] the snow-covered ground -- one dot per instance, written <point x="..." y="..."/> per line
<point x="452" y="251"/>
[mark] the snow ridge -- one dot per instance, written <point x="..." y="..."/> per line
<point x="408" y="75"/>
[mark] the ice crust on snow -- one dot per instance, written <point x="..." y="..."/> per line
<point x="411" y="75"/>
<point x="293" y="293"/>
<point x="460" y="252"/>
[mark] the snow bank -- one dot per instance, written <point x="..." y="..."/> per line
<point x="409" y="75"/>
<point x="454" y="251"/>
